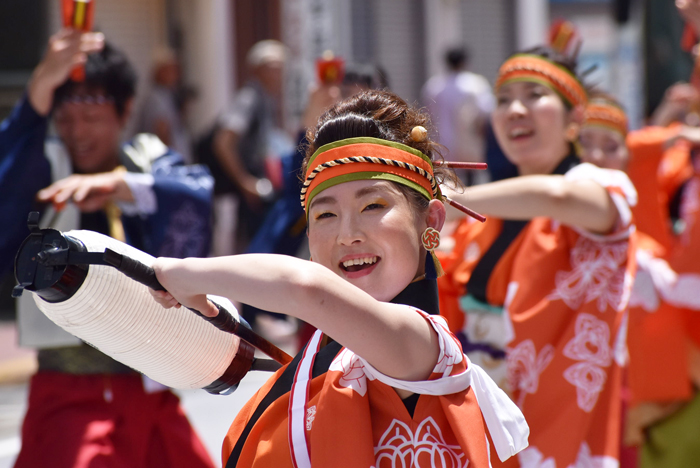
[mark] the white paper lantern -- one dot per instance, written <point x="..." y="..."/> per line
<point x="118" y="316"/>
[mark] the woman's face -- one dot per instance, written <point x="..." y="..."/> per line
<point x="530" y="123"/>
<point x="603" y="147"/>
<point x="367" y="232"/>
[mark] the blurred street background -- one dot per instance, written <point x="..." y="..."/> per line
<point x="631" y="49"/>
<point x="405" y="37"/>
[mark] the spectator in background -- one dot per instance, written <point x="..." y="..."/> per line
<point x="85" y="409"/>
<point x="160" y="112"/>
<point x="460" y="103"/>
<point x="243" y="148"/>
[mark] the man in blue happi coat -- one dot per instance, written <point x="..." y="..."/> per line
<point x="86" y="409"/>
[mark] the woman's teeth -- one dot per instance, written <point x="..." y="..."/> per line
<point x="518" y="132"/>
<point x="360" y="261"/>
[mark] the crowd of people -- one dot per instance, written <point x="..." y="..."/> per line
<point x="562" y="331"/>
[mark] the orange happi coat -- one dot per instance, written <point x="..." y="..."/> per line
<point x="656" y="341"/>
<point x="657" y="371"/>
<point x="658" y="330"/>
<point x="685" y="260"/>
<point x="352" y="419"/>
<point x="566" y="293"/>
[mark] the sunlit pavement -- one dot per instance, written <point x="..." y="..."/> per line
<point x="13" y="400"/>
<point x="211" y="415"/>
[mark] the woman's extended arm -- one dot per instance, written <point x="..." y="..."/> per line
<point x="581" y="203"/>
<point x="395" y="341"/>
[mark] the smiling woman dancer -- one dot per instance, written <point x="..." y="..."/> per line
<point x="387" y="384"/>
<point x="545" y="281"/>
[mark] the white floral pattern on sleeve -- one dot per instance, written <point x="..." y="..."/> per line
<point x="450" y="349"/>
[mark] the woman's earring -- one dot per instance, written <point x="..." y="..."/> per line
<point x="571" y="132"/>
<point x="430" y="239"/>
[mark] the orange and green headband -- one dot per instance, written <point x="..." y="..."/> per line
<point x="368" y="158"/>
<point x="535" y="68"/>
<point x="601" y="113"/>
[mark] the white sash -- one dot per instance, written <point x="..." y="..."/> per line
<point x="298" y="399"/>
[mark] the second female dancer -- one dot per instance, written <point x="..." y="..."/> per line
<point x="544" y="283"/>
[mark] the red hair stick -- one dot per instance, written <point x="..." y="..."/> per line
<point x="461" y="165"/>
<point x="464" y="209"/>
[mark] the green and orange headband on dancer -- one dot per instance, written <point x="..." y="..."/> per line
<point x="602" y="112"/>
<point x="366" y="158"/>
<point x="537" y="69"/>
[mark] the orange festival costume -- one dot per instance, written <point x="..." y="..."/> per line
<point x="682" y="427"/>
<point x="660" y="175"/>
<point x="329" y="407"/>
<point x="665" y="345"/>
<point x="564" y="295"/>
<point x="657" y="372"/>
<point x="685" y="260"/>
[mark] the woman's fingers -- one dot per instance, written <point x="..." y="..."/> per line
<point x="165" y="299"/>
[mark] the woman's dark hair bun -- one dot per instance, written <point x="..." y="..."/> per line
<point x="372" y="113"/>
<point x="347" y="126"/>
<point x="377" y="114"/>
